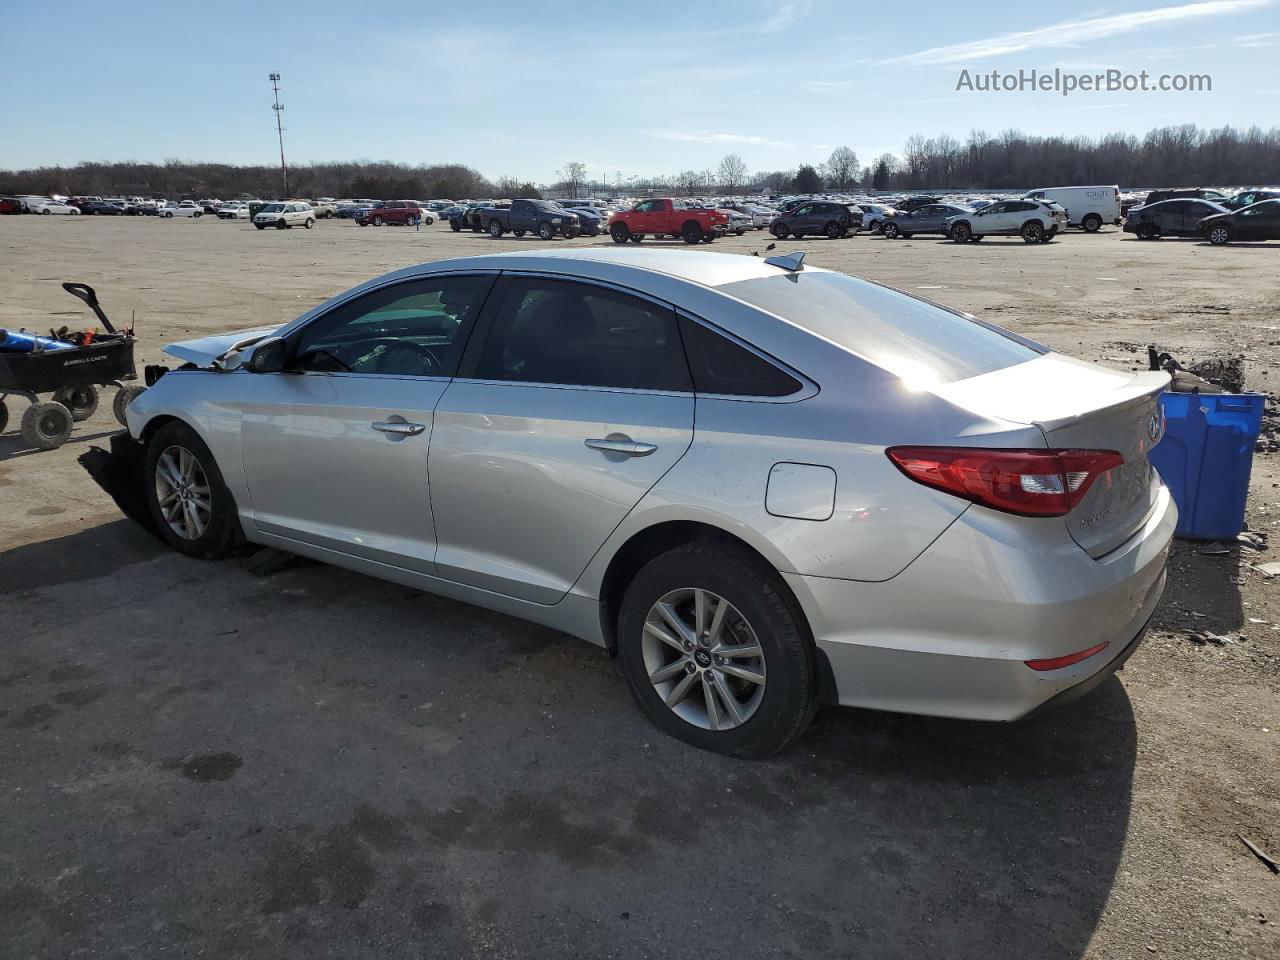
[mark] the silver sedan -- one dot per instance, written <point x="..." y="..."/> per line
<point x="763" y="486"/>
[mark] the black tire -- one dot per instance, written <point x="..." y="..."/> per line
<point x="636" y="237"/>
<point x="790" y="692"/>
<point x="1148" y="231"/>
<point x="691" y="232"/>
<point x="124" y="396"/>
<point x="890" y="231"/>
<point x="780" y="231"/>
<point x="874" y="226"/>
<point x="222" y="531"/>
<point x="832" y="231"/>
<point x="455" y="226"/>
<point x="620" y="233"/>
<point x="46" y="425"/>
<point x="977" y="237"/>
<point x="1220" y="235"/>
<point x="1032" y="231"/>
<point x="263" y="226"/>
<point x="519" y="233"/>
<point x="495" y="229"/>
<point x="1092" y="223"/>
<point x="961" y="232"/>
<point x="741" y="232"/>
<point x="906" y="236"/>
<point x="309" y="223"/>
<point x="82" y="401"/>
<point x="377" y="221"/>
<point x="546" y="231"/>
<point x="4" y="416"/>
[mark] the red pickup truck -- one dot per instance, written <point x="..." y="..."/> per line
<point x="668" y="217"/>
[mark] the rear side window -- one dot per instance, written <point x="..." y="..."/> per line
<point x="909" y="337"/>
<point x="562" y="332"/>
<point x="720" y="366"/>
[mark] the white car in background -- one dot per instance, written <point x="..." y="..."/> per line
<point x="187" y="208"/>
<point x="280" y="215"/>
<point x="1036" y="221"/>
<point x="233" y="211"/>
<point x="47" y="207"/>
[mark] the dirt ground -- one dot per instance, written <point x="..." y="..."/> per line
<point x="198" y="761"/>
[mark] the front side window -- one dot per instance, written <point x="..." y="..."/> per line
<point x="413" y="329"/>
<point x="563" y="332"/>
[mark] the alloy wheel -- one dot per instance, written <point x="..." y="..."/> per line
<point x="182" y="490"/>
<point x="703" y="659"/>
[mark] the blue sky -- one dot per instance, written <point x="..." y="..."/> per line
<point x="633" y="88"/>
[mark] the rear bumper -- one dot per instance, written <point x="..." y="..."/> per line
<point x="949" y="636"/>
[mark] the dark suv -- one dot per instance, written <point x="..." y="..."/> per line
<point x="832" y="220"/>
<point x="1247" y="197"/>
<point x="1187" y="193"/>
<point x="1261" y="221"/>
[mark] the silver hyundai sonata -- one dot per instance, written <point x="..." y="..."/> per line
<point x="762" y="485"/>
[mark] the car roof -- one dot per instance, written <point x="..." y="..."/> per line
<point x="705" y="268"/>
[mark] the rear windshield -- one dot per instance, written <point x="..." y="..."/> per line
<point x="910" y="338"/>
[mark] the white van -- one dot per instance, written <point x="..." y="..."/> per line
<point x="1087" y="207"/>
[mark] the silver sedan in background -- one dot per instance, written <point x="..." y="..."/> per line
<point x="763" y="486"/>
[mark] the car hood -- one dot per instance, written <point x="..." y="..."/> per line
<point x="205" y="350"/>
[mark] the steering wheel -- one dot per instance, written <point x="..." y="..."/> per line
<point x="408" y="359"/>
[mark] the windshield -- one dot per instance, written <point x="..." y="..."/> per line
<point x="272" y="208"/>
<point x="920" y="342"/>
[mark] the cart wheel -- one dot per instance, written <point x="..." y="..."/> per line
<point x="4" y="416"/>
<point x="124" y="397"/>
<point x="82" y="401"/>
<point x="46" y="425"/>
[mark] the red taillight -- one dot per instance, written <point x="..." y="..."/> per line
<point x="1057" y="663"/>
<point x="1030" y="483"/>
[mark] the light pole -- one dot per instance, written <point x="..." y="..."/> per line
<point x="278" y="107"/>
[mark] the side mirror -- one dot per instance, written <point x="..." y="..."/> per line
<point x="267" y="356"/>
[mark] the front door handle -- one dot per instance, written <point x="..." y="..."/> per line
<point x="399" y="427"/>
<point x="621" y="443"/>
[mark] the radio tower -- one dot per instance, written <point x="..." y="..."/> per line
<point x="278" y="107"/>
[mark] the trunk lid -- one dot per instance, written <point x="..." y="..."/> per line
<point x="1083" y="406"/>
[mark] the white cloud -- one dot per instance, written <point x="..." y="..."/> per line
<point x="707" y="136"/>
<point x="1070" y="33"/>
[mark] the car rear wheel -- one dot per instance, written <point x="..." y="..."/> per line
<point x="519" y="233"/>
<point x="890" y="231"/>
<point x="495" y="229"/>
<point x="691" y="232"/>
<point x="193" y="510"/>
<point x="1092" y="223"/>
<point x="82" y="401"/>
<point x="455" y="226"/>
<point x="832" y="230"/>
<point x="715" y="653"/>
<point x="1032" y="231"/>
<point x="636" y="237"/>
<point x="780" y="231"/>
<point x="378" y="221"/>
<point x="1148" y="231"/>
<point x="1219" y="236"/>
<point x="619" y="233"/>
<point x="961" y="233"/>
<point x="309" y="223"/>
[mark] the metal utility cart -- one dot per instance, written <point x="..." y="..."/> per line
<point x="72" y="374"/>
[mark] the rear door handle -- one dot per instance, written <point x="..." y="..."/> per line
<point x="618" y="443"/>
<point x="399" y="426"/>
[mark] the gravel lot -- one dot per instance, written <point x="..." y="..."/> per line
<point x="198" y="761"/>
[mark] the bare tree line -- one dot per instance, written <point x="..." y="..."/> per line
<point x="1165" y="156"/>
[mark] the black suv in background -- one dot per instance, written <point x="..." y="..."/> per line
<point x="1187" y="193"/>
<point x="832" y="220"/>
<point x="1247" y="197"/>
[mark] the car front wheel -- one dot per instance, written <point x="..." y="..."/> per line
<point x="890" y="231"/>
<point x="192" y="508"/>
<point x="619" y="233"/>
<point x="780" y="231"/>
<point x="1219" y="236"/>
<point x="1032" y="231"/>
<point x="961" y="233"/>
<point x="715" y="652"/>
<point x="309" y="223"/>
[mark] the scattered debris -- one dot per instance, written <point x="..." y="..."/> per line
<point x="1254" y="541"/>
<point x="1214" y="550"/>
<point x="1257" y="852"/>
<point x="1202" y="637"/>
<point x="1268" y="570"/>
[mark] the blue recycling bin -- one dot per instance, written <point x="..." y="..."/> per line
<point x="1206" y="457"/>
